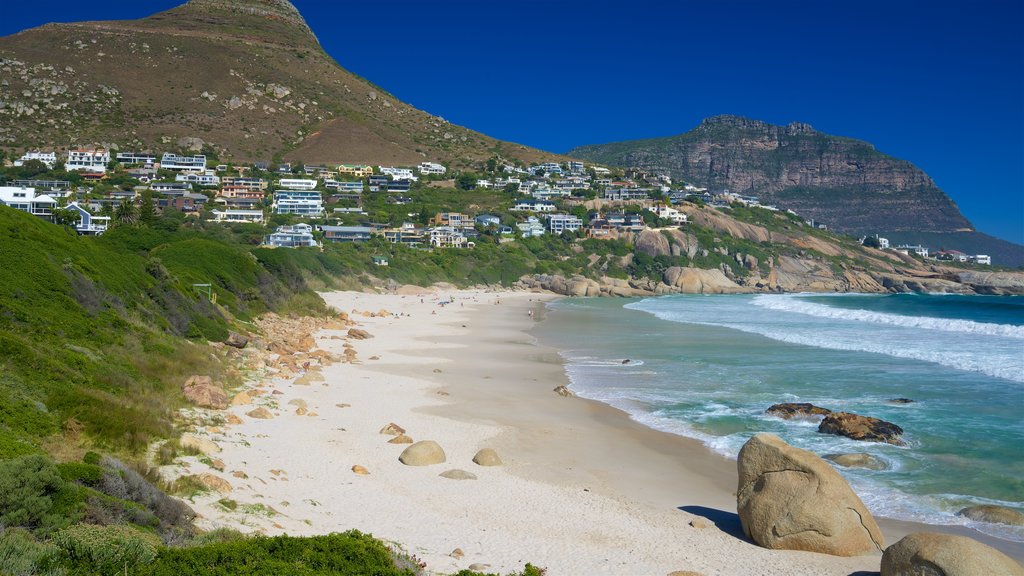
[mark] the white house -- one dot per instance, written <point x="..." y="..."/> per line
<point x="25" y="199"/>
<point x="88" y="160"/>
<point x="669" y="213"/>
<point x="530" y="205"/>
<point x="398" y="173"/>
<point x="299" y="202"/>
<point x="199" y="179"/>
<point x="229" y="215"/>
<point x="297" y="184"/>
<point x="291" y="237"/>
<point x="48" y="158"/>
<point x="532" y="227"/>
<point x="448" y="237"/>
<point x="176" y="162"/>
<point x="89" y="225"/>
<point x="136" y="158"/>
<point x="982" y="259"/>
<point x="431" y="168"/>
<point x="559" y="223"/>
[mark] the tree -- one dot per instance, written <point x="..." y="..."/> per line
<point x="65" y="217"/>
<point x="872" y="242"/>
<point x="147" y="211"/>
<point x="125" y="214"/>
<point x="466" y="181"/>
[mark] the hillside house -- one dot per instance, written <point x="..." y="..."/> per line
<point x="143" y="158"/>
<point x="448" y="237"/>
<point x="48" y="158"/>
<point x="88" y="224"/>
<point x="453" y="219"/>
<point x="299" y="235"/>
<point x="529" y="205"/>
<point x="487" y="220"/>
<point x="230" y="215"/>
<point x="531" y="228"/>
<point x="26" y="200"/>
<point x="49" y="185"/>
<point x="982" y="259"/>
<point x="626" y="194"/>
<point x="357" y="170"/>
<point x="299" y="202"/>
<point x="297" y="184"/>
<point x="90" y="161"/>
<point x="558" y="223"/>
<point x="239" y="192"/>
<point x="247" y="183"/>
<point x="668" y="213"/>
<point x="428" y="168"/>
<point x="346" y="233"/>
<point x="195" y="163"/>
<point x="408" y="234"/>
<point x="398" y="173"/>
<point x="352" y="187"/>
<point x="198" y="179"/>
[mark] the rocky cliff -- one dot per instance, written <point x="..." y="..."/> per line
<point x="245" y="79"/>
<point x="842" y="182"/>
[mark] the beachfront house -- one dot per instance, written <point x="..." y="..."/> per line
<point x="299" y="235"/>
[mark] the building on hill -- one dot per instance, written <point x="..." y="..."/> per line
<point x="249" y="183"/>
<point x="198" y="179"/>
<point x="26" y="200"/>
<point x="170" y="187"/>
<point x="448" y="237"/>
<point x="531" y="228"/>
<point x="48" y="158"/>
<point x="297" y="184"/>
<point x="88" y="224"/>
<point x="171" y="161"/>
<point x="92" y="161"/>
<point x="144" y="158"/>
<point x="488" y="220"/>
<point x="51" y="185"/>
<point x="984" y="259"/>
<point x="558" y="223"/>
<point x="229" y="215"/>
<point x="453" y="219"/>
<point x="668" y="213"/>
<point x="299" y="202"/>
<point x="951" y="255"/>
<point x="357" y="170"/>
<point x="530" y="205"/>
<point x="434" y="168"/>
<point x="398" y="173"/>
<point x="351" y="187"/>
<point x="299" y="235"/>
<point x="346" y="233"/>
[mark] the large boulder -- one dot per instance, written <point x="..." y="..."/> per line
<point x="858" y="460"/>
<point x="653" y="243"/>
<point x="930" y="554"/>
<point x="487" y="457"/>
<point x="790" y="499"/>
<point x="201" y="391"/>
<point x="698" y="281"/>
<point x="861" y="428"/>
<point x="422" y="453"/>
<point x="993" y="514"/>
<point x="236" y="340"/>
<point x="788" y="410"/>
<point x="358" y="334"/>
<point x="201" y="445"/>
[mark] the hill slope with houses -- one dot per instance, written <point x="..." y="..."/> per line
<point x="243" y="79"/>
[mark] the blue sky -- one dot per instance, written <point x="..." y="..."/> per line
<point x="936" y="82"/>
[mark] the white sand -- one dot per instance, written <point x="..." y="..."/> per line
<point x="583" y="490"/>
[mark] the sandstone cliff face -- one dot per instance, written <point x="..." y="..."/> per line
<point x="842" y="182"/>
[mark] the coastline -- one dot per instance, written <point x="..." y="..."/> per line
<point x="583" y="488"/>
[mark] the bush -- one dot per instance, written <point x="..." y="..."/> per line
<point x="87" y="474"/>
<point x="33" y="495"/>
<point x="351" y="553"/>
<point x="122" y="482"/>
<point x="22" y="555"/>
<point x="106" y="549"/>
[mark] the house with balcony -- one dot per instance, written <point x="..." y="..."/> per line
<point x="144" y="158"/>
<point x="237" y="215"/>
<point x="350" y="187"/>
<point x="195" y="163"/>
<point x="346" y="233"/>
<point x="88" y="224"/>
<point x="357" y="170"/>
<point x="408" y="234"/>
<point x="89" y="161"/>
<point x="558" y="223"/>
<point x="453" y="219"/>
<point x="434" y="168"/>
<point x="487" y="220"/>
<point x="48" y="158"/>
<point x="297" y="236"/>
<point x="448" y="237"/>
<point x="26" y="200"/>
<point x="530" y="205"/>
<point x="299" y="202"/>
<point x="247" y="183"/>
<point x="531" y="228"/>
<point x="398" y="173"/>
<point x="296" y="184"/>
<point x="199" y="179"/>
<point x="668" y="213"/>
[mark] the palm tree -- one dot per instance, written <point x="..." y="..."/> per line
<point x="125" y="214"/>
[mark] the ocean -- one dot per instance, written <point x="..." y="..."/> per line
<point x="707" y="367"/>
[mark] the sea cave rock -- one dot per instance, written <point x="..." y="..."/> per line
<point x="788" y="410"/>
<point x="861" y="428"/>
<point x="930" y="554"/>
<point x="790" y="499"/>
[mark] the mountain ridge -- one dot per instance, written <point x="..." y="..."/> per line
<point x="244" y="80"/>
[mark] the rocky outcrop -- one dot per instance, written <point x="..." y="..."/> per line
<point x="842" y="182"/>
<point x="653" y="243"/>
<point x="930" y="554"/>
<point x="788" y="410"/>
<point x="422" y="453"/>
<point x="201" y="391"/>
<point x="861" y="428"/>
<point x="993" y="514"/>
<point x="697" y="281"/>
<point x="858" y="460"/>
<point x="994" y="283"/>
<point x="202" y="445"/>
<point x="790" y="499"/>
<point x="236" y="340"/>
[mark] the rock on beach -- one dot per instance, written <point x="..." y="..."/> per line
<point x="422" y="453"/>
<point x="930" y="554"/>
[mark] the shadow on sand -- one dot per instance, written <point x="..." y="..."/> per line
<point x="728" y="522"/>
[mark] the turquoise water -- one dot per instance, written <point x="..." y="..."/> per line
<point x="708" y="366"/>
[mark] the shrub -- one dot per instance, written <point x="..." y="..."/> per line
<point x="106" y="549"/>
<point x="87" y="474"/>
<point x="122" y="482"/>
<point x="33" y="495"/>
<point x="22" y="555"/>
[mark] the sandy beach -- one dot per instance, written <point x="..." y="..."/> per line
<point x="582" y="488"/>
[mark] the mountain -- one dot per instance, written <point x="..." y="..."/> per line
<point x="842" y="182"/>
<point x="246" y="79"/>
